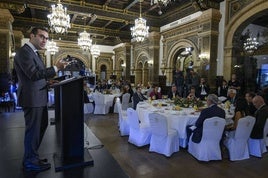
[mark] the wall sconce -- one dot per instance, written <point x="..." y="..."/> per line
<point x="13" y="54"/>
<point x="123" y="65"/>
<point x="204" y="56"/>
<point x="150" y="62"/>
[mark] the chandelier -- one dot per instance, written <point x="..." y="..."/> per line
<point x="84" y="40"/>
<point x="52" y="47"/>
<point x="139" y="31"/>
<point x="164" y="2"/>
<point x="250" y="44"/>
<point x="95" y="51"/>
<point x="59" y="20"/>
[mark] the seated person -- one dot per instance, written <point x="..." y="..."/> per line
<point x="137" y="97"/>
<point x="173" y="93"/>
<point x="240" y="112"/>
<point x="203" y="89"/>
<point x="223" y="89"/>
<point x="192" y="94"/>
<point x="155" y="94"/>
<point x="261" y="116"/>
<point x="251" y="108"/>
<point x="211" y="111"/>
<point x="231" y="97"/>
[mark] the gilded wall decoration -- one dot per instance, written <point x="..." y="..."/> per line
<point x="236" y="5"/>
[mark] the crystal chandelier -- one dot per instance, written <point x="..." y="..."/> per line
<point x="139" y="31"/>
<point x="84" y="40"/>
<point x="251" y="45"/>
<point x="59" y="20"/>
<point x="95" y="51"/>
<point x="164" y="2"/>
<point x="52" y="47"/>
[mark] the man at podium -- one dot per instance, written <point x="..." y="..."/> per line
<point x="33" y="95"/>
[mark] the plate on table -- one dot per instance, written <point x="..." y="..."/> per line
<point x="173" y="112"/>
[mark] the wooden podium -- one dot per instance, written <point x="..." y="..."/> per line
<point x="69" y="121"/>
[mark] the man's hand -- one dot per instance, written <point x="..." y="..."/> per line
<point x="51" y="82"/>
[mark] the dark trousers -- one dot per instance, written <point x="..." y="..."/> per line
<point x="36" y="122"/>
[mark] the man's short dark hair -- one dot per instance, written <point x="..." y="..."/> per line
<point x="35" y="30"/>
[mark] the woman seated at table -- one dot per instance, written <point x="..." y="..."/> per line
<point x="241" y="110"/>
<point x="156" y="94"/>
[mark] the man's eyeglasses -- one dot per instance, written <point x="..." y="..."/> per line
<point x="43" y="37"/>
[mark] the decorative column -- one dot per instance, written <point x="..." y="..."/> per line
<point x="154" y="43"/>
<point x="209" y="40"/>
<point x="7" y="41"/>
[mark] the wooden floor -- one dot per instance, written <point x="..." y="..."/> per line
<point x="134" y="162"/>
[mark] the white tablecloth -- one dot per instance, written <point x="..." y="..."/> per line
<point x="176" y="119"/>
<point x="108" y="98"/>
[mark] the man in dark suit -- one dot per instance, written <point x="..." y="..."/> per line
<point x="211" y="111"/>
<point x="173" y="93"/>
<point x="261" y="116"/>
<point x="137" y="97"/>
<point x="33" y="96"/>
<point x="203" y="89"/>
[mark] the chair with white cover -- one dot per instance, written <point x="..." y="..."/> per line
<point x="88" y="108"/>
<point x="237" y="143"/>
<point x="100" y="106"/>
<point x="125" y="101"/>
<point x="139" y="133"/>
<point x="209" y="146"/>
<point x="258" y="146"/>
<point x="163" y="140"/>
<point x="123" y="120"/>
<point x="115" y="106"/>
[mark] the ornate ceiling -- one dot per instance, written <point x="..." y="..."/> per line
<point x="108" y="21"/>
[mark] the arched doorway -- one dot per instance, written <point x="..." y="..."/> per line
<point x="75" y="66"/>
<point x="103" y="72"/>
<point x="182" y="55"/>
<point x="250" y="67"/>
<point x="235" y="60"/>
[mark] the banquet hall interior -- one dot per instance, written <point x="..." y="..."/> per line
<point x="138" y="44"/>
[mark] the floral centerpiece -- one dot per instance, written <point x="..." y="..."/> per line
<point x="107" y="91"/>
<point x="187" y="102"/>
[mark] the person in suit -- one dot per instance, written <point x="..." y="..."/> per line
<point x="173" y="93"/>
<point x="223" y="89"/>
<point x="203" y="89"/>
<point x="33" y="95"/>
<point x="250" y="107"/>
<point x="211" y="111"/>
<point x="137" y="97"/>
<point x="261" y="116"/>
<point x="232" y="96"/>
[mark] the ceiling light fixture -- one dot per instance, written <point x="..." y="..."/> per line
<point x="59" y="20"/>
<point x="52" y="47"/>
<point x="84" y="40"/>
<point x="95" y="51"/>
<point x="139" y="31"/>
<point x="250" y="44"/>
<point x="163" y="2"/>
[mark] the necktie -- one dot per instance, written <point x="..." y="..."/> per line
<point x="39" y="56"/>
